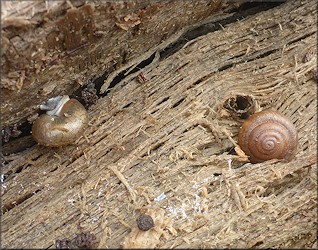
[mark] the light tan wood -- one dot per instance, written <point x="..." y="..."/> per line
<point x="165" y="147"/>
<point x="53" y="48"/>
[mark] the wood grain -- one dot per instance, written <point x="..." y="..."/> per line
<point x="53" y="48"/>
<point x="167" y="145"/>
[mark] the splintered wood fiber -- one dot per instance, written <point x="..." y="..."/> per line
<point x="52" y="48"/>
<point x="165" y="147"/>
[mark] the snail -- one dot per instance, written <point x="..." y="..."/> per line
<point x="64" y="122"/>
<point x="268" y="135"/>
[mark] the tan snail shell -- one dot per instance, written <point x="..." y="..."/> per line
<point x="268" y="135"/>
<point x="64" y="122"/>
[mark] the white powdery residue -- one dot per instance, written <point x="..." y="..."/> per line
<point x="71" y="200"/>
<point x="74" y="198"/>
<point x="48" y="187"/>
<point x="197" y="204"/>
<point x="95" y="219"/>
<point x="195" y="185"/>
<point x="171" y="210"/>
<point x="209" y="179"/>
<point x="183" y="209"/>
<point x="205" y="180"/>
<point x="160" y="197"/>
<point x="177" y="211"/>
<point x="193" y="205"/>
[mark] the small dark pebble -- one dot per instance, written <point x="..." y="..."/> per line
<point x="89" y="94"/>
<point x="85" y="240"/>
<point x="6" y="134"/>
<point x="9" y="132"/>
<point x="145" y="222"/>
<point x="63" y="244"/>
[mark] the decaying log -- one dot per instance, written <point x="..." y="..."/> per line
<point x="54" y="47"/>
<point x="164" y="145"/>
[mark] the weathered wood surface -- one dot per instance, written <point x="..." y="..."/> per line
<point x="170" y="135"/>
<point x="54" y="47"/>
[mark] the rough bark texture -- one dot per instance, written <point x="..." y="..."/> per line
<point x="164" y="147"/>
<point x="54" y="47"/>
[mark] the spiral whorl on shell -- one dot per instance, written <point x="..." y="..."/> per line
<point x="268" y="135"/>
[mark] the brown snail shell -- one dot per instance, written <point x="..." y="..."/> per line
<point x="64" y="122"/>
<point x="268" y="135"/>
